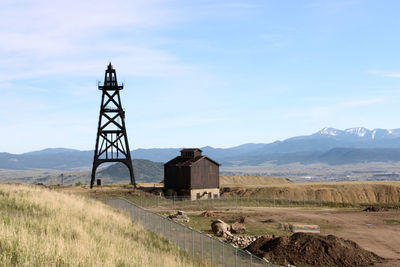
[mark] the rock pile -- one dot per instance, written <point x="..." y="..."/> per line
<point x="238" y="228"/>
<point x="312" y="250"/>
<point x="207" y="214"/>
<point x="241" y="241"/>
<point x="180" y="216"/>
<point x="374" y="209"/>
<point x="220" y="228"/>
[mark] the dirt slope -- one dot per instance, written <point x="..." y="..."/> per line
<point x="251" y="181"/>
<point x="348" y="192"/>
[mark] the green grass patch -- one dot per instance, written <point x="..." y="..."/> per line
<point x="392" y="221"/>
<point x="203" y="224"/>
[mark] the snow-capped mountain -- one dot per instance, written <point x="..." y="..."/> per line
<point x="360" y="132"/>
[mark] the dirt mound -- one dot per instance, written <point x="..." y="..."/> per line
<point x="269" y="221"/>
<point x="238" y="228"/>
<point x="180" y="216"/>
<point x="208" y="214"/>
<point x="374" y="209"/>
<point x="312" y="250"/>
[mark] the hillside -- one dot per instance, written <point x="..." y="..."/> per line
<point x="144" y="170"/>
<point x="347" y="192"/>
<point x="251" y="181"/>
<point x="40" y="227"/>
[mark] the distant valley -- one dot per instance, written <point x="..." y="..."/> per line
<point x="327" y="148"/>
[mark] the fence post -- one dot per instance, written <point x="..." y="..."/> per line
<point x="212" y="250"/>
<point x="223" y="254"/>
<point x="163" y="228"/>
<point x="236" y="256"/>
<point x="202" y="250"/>
<point x="192" y="243"/>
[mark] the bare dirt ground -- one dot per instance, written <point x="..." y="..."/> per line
<point x="369" y="229"/>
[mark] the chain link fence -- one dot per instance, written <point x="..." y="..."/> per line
<point x="207" y="249"/>
<point x="235" y="202"/>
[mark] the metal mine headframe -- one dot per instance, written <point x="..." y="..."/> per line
<point x="112" y="140"/>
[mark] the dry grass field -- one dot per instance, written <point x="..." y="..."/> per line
<point x="42" y="227"/>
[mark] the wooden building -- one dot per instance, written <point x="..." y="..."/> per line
<point x="192" y="174"/>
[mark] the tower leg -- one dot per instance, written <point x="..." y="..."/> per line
<point x="132" y="176"/>
<point x="93" y="175"/>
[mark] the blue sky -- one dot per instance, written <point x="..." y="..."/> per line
<point x="196" y="73"/>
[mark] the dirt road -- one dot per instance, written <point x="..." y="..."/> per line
<point x="375" y="231"/>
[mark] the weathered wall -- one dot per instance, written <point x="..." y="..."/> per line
<point x="204" y="174"/>
<point x="204" y="193"/>
<point x="177" y="177"/>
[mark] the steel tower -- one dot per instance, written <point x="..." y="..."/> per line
<point x="112" y="140"/>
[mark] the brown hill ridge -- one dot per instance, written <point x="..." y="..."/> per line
<point x="251" y="181"/>
<point x="340" y="192"/>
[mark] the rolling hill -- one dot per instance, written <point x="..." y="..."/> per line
<point x="144" y="170"/>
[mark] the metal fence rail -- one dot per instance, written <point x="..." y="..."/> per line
<point x="205" y="248"/>
<point x="186" y="203"/>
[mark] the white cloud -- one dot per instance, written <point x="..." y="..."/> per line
<point x="327" y="111"/>
<point x="39" y="38"/>
<point x="387" y="74"/>
<point x="360" y="102"/>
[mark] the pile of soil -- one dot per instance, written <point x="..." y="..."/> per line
<point x="207" y="214"/>
<point x="312" y="250"/>
<point x="374" y="209"/>
<point x="180" y="216"/>
<point x="269" y="221"/>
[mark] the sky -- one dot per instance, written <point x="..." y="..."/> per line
<point x="196" y="73"/>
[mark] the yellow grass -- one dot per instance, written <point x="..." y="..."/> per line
<point x="40" y="227"/>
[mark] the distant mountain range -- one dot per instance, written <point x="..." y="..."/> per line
<point x="329" y="145"/>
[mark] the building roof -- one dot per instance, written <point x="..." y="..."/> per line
<point x="191" y="149"/>
<point x="181" y="161"/>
